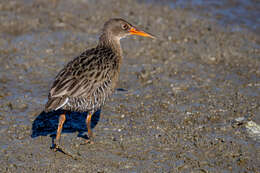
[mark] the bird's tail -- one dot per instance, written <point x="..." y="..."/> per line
<point x="55" y="103"/>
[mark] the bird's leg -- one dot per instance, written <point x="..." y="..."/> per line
<point x="57" y="146"/>
<point x="90" y="134"/>
<point x="62" y="119"/>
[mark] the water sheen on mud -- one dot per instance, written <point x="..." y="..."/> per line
<point x="187" y="101"/>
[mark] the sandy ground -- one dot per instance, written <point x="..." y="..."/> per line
<point x="190" y="100"/>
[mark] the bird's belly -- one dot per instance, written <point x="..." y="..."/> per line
<point x="80" y="104"/>
<point x="84" y="104"/>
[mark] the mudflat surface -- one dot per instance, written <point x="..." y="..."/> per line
<point x="189" y="101"/>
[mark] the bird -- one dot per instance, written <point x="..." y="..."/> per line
<point x="87" y="81"/>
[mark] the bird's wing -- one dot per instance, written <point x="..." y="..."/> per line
<point x="83" y="75"/>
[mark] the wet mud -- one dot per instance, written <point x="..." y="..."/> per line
<point x="188" y="101"/>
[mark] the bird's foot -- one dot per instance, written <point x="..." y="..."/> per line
<point x="89" y="141"/>
<point x="57" y="147"/>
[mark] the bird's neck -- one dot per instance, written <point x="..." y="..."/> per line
<point x="109" y="41"/>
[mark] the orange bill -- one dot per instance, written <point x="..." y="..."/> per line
<point x="135" y="31"/>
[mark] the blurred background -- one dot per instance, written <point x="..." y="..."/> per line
<point x="188" y="101"/>
<point x="238" y="13"/>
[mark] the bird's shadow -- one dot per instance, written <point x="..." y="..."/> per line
<point x="47" y="123"/>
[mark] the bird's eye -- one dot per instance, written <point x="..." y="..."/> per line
<point x="124" y="26"/>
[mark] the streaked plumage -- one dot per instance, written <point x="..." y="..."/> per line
<point x="86" y="82"/>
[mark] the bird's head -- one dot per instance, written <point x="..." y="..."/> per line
<point x="119" y="28"/>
